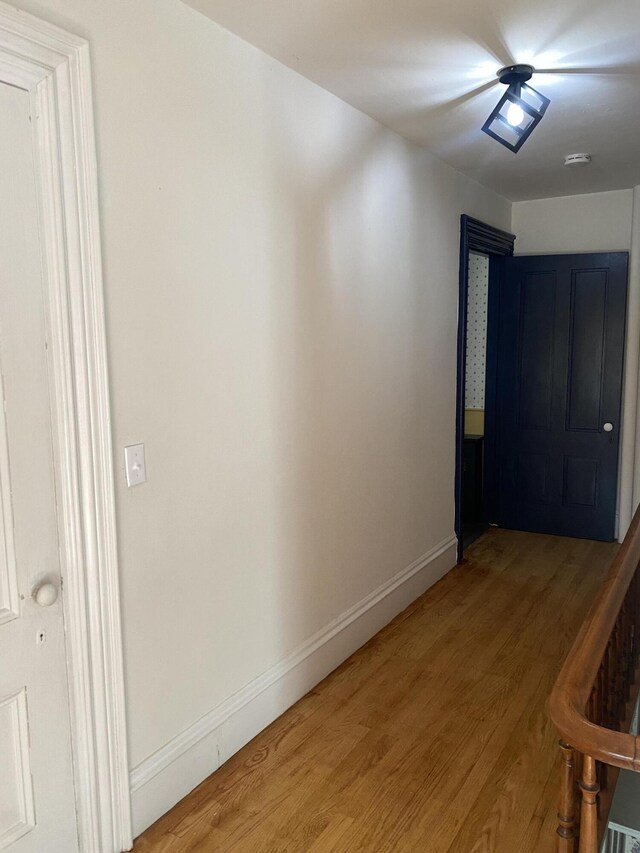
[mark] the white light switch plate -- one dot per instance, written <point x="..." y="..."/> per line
<point x="134" y="464"/>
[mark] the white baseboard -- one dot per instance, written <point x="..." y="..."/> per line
<point x="166" y="776"/>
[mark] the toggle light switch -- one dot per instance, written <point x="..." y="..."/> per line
<point x="134" y="464"/>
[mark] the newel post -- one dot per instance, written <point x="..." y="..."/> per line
<point x="567" y="806"/>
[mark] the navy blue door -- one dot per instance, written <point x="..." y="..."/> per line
<point x="560" y="347"/>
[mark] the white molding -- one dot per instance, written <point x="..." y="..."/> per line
<point x="162" y="779"/>
<point x="53" y="66"/>
<point x="629" y="469"/>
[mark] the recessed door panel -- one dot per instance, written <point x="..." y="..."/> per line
<point x="586" y="349"/>
<point x="533" y="477"/>
<point x="17" y="814"/>
<point x="9" y="600"/>
<point x="580" y="482"/>
<point x="535" y="357"/>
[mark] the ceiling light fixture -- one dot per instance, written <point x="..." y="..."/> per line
<point x="518" y="111"/>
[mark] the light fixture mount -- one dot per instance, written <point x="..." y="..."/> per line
<point x="519" y="110"/>
<point x="515" y="74"/>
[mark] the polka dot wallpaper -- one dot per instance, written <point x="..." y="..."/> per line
<point x="476" y="331"/>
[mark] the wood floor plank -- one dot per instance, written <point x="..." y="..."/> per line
<point x="434" y="737"/>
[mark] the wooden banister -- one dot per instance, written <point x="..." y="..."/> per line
<point x="590" y="700"/>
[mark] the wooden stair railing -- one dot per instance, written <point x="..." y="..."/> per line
<point x="592" y="700"/>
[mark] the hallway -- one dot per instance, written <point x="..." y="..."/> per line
<point x="434" y="737"/>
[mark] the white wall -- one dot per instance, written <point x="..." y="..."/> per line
<point x="578" y="223"/>
<point x="281" y="285"/>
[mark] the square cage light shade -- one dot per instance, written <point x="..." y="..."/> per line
<point x="516" y="115"/>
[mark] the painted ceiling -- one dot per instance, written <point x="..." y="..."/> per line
<point x="427" y="69"/>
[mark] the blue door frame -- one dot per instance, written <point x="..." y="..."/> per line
<point x="475" y="236"/>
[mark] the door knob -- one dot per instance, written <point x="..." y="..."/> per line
<point x="45" y="595"/>
<point x="607" y="427"/>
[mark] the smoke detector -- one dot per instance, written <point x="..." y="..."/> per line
<point x="577" y="159"/>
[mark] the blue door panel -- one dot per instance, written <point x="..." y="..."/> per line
<point x="559" y="360"/>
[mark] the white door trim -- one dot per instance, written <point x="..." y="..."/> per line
<point x="53" y="66"/>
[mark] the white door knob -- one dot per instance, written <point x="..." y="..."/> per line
<point x="607" y="427"/>
<point x="45" y="595"/>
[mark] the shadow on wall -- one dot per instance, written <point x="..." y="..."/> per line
<point x="362" y="346"/>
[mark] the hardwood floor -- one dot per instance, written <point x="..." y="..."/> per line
<point x="434" y="737"/>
